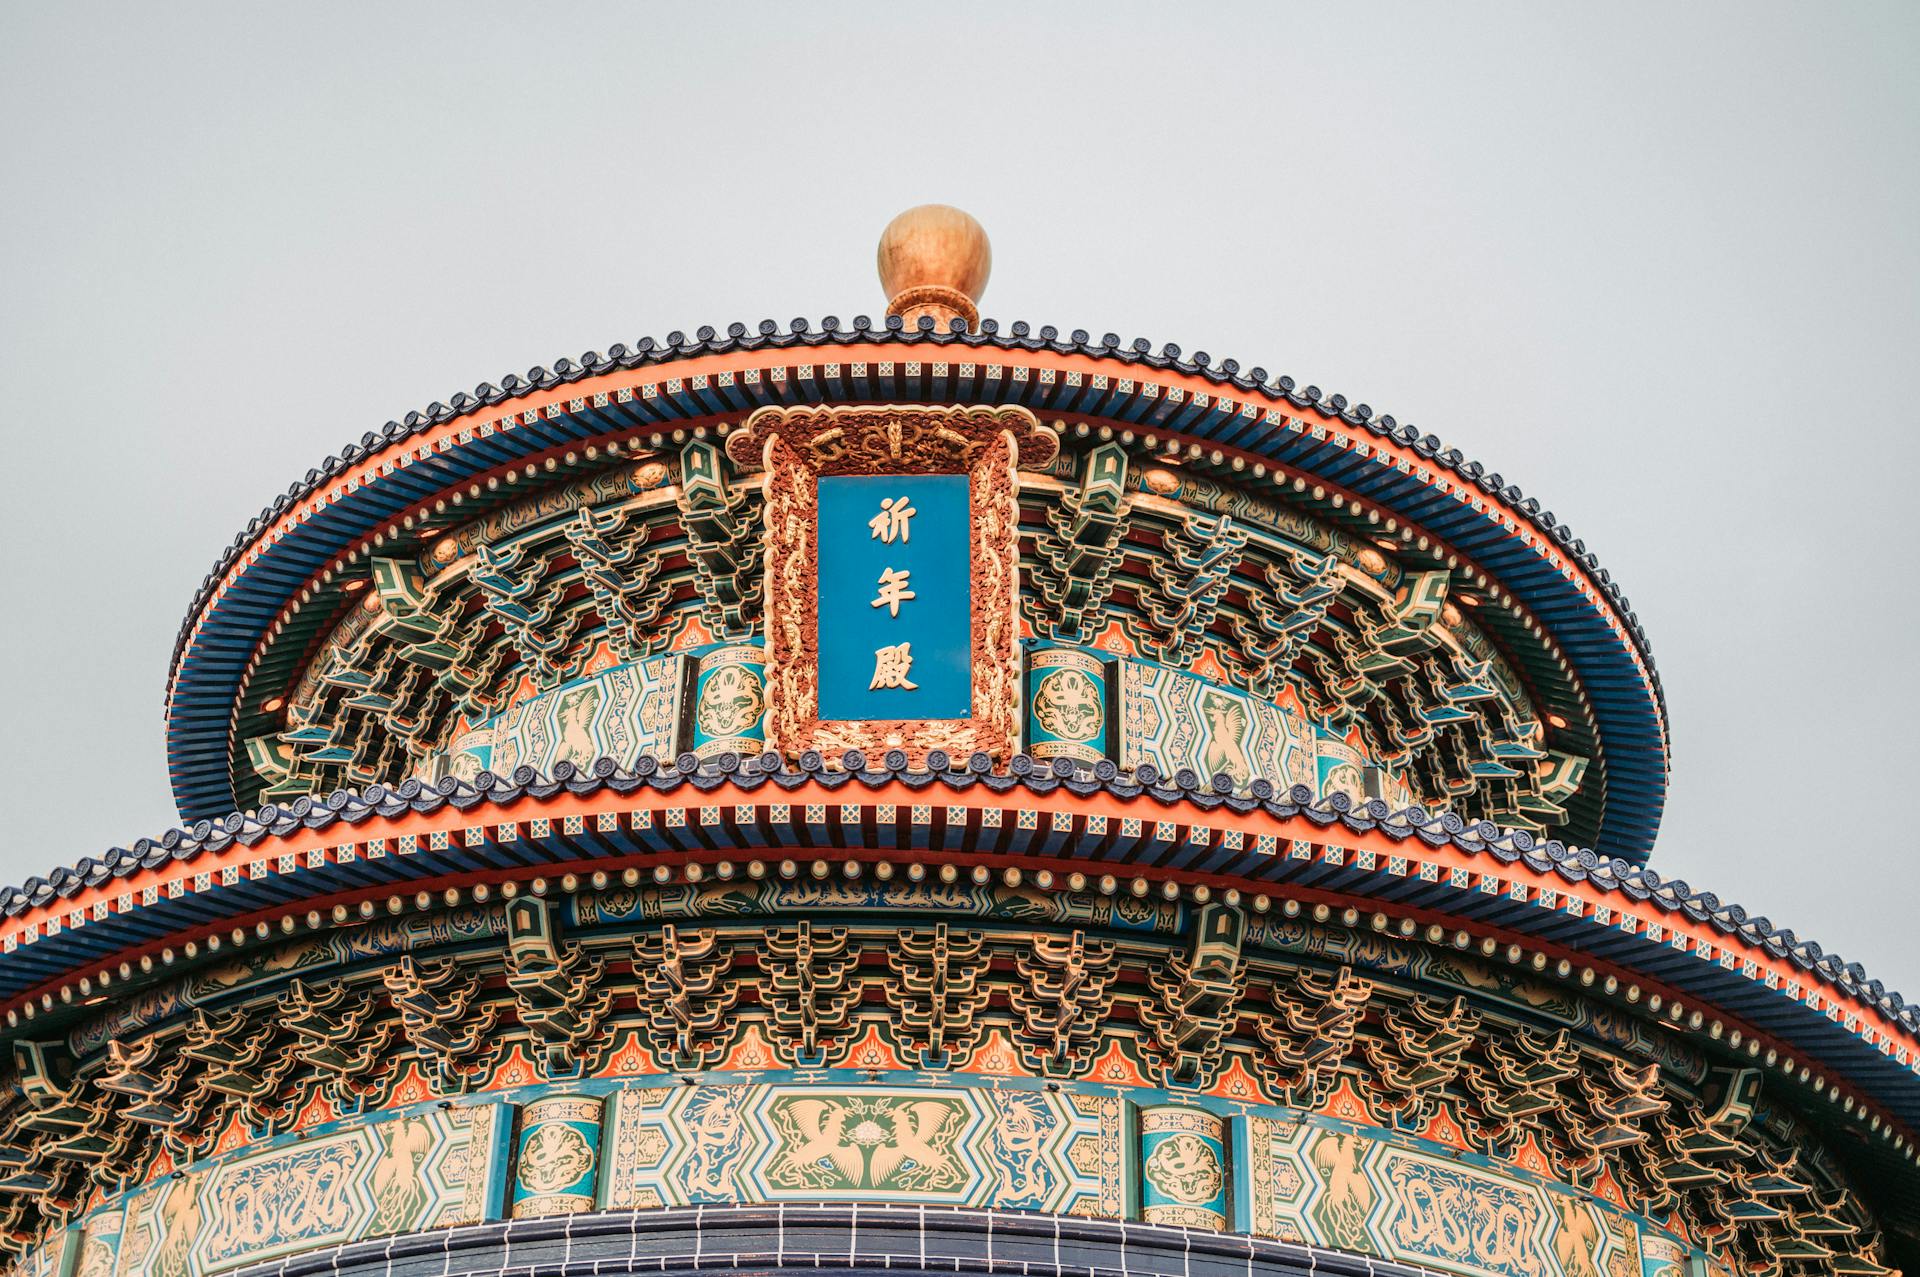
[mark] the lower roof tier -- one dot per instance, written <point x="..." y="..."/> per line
<point x="881" y="988"/>
<point x="1655" y="949"/>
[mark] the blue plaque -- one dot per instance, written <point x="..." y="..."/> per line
<point x="892" y="570"/>
<point x="895" y="615"/>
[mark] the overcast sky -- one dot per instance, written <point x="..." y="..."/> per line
<point x="1659" y="265"/>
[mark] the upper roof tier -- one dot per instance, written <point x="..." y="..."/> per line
<point x="1437" y="628"/>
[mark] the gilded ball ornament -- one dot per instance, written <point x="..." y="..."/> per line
<point x="1161" y="483"/>
<point x="934" y="260"/>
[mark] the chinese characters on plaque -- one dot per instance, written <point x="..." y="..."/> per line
<point x="891" y="665"/>
<point x="895" y="608"/>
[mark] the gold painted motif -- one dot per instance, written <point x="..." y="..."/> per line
<point x="891" y="667"/>
<point x="730" y="701"/>
<point x="556" y="1156"/>
<point x="1186" y="1169"/>
<point x="1067" y="704"/>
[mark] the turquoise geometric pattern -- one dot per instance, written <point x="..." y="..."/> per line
<point x="47" y="1260"/>
<point x="1353" y="1191"/>
<point x="730" y="701"/>
<point x="1183" y="1167"/>
<point x="1179" y="1159"/>
<point x="1174" y="720"/>
<point x="1067" y="704"/>
<point x="625" y="713"/>
<point x="1166" y="717"/>
<point x="99" y="1242"/>
<point x="1339" y="765"/>
<point x="1661" y="1257"/>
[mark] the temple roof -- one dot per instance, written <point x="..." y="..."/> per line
<point x="1534" y="561"/>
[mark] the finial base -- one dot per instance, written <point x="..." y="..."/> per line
<point x="943" y="303"/>
<point x="934" y="260"/>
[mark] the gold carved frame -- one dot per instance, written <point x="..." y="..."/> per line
<point x="797" y="446"/>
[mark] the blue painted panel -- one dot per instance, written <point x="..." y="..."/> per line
<point x="935" y="623"/>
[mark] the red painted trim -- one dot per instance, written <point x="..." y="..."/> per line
<point x="1813" y="992"/>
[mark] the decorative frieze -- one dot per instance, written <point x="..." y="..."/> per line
<point x="401" y="1173"/>
<point x="1183" y="1167"/>
<point x="557" y="1156"/>
<point x="947" y="1145"/>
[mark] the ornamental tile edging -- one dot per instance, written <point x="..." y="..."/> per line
<point x="1020" y="337"/>
<point x="1549" y="859"/>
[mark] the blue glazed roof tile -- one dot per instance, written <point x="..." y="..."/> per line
<point x="1437" y="829"/>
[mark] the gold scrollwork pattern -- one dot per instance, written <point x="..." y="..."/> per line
<point x="796" y="446"/>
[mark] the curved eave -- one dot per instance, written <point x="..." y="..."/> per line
<point x="1526" y="550"/>
<point x="1419" y="871"/>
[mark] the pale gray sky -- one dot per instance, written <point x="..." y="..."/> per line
<point x="1658" y="264"/>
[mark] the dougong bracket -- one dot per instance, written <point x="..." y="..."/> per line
<point x="1197" y="997"/>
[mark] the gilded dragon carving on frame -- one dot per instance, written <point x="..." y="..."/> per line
<point x="797" y="446"/>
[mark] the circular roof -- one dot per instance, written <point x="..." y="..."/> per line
<point x="1529" y="563"/>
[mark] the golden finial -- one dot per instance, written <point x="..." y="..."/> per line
<point x="934" y="260"/>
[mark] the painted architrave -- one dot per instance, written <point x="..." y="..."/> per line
<point x="728" y="702"/>
<point x="1184" y="1177"/>
<point x="55" y="1257"/>
<point x="627" y="712"/>
<point x="800" y="446"/>
<point x="437" y="1168"/>
<point x="1069" y="704"/>
<point x="1009" y="1148"/>
<point x="1341" y="1186"/>
<point x="1177" y="720"/>
<point x="99" y="1241"/>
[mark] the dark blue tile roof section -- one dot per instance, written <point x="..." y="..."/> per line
<point x="867" y="1239"/>
<point x="1185" y="799"/>
<point x="220" y="634"/>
